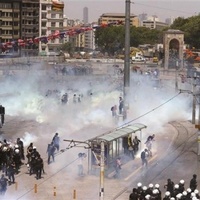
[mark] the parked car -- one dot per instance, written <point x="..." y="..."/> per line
<point x="138" y="59"/>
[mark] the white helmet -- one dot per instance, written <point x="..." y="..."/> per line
<point x="144" y="187"/>
<point x="157" y="185"/>
<point x="194" y="198"/>
<point x="193" y="194"/>
<point x="147" y="196"/>
<point x="16" y="146"/>
<point x="34" y="147"/>
<point x="172" y="198"/>
<point x="182" y="181"/>
<point x="196" y="191"/>
<point x="167" y="193"/>
<point x="5" y="148"/>
<point x="139" y="184"/>
<point x="184" y="193"/>
<point x="178" y="196"/>
<point x="189" y="190"/>
<point x="16" y="150"/>
<point x="155" y="191"/>
<point x="176" y="186"/>
<point x="150" y="185"/>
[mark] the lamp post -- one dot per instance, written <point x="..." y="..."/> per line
<point x="127" y="54"/>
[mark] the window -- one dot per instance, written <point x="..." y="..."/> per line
<point x="53" y="16"/>
<point x="53" y="24"/>
<point x="44" y="16"/>
<point x="15" y="5"/>
<point x="44" y="7"/>
<point x="44" y="24"/>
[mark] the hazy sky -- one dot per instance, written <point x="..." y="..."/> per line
<point x="162" y="8"/>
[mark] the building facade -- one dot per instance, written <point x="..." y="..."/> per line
<point x="51" y="21"/>
<point x="116" y="17"/>
<point x="19" y="19"/>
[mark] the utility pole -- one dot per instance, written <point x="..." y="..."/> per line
<point x="194" y="99"/>
<point x="102" y="166"/>
<point x="127" y="55"/>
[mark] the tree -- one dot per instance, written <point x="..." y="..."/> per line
<point x="68" y="47"/>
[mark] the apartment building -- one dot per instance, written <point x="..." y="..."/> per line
<point x="115" y="17"/>
<point x="51" y="21"/>
<point x="153" y="22"/>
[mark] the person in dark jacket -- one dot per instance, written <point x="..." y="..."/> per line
<point x="51" y="152"/>
<point x="133" y="195"/>
<point x="39" y="167"/>
<point x="193" y="182"/>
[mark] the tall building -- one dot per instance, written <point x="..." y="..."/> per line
<point x="51" y="21"/>
<point x="115" y="17"/>
<point x="19" y="19"/>
<point x="85" y="15"/>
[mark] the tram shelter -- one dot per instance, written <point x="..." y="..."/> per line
<point x="115" y="145"/>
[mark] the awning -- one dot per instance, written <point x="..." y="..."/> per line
<point x="121" y="132"/>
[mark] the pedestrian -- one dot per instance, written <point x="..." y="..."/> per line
<point x="81" y="157"/>
<point x="114" y="110"/>
<point x="74" y="98"/>
<point x="21" y="148"/>
<point x="51" y="151"/>
<point x="29" y="151"/>
<point x="3" y="184"/>
<point x="121" y="105"/>
<point x="136" y="142"/>
<point x="143" y="156"/>
<point x="169" y="186"/>
<point x="117" y="167"/>
<point x="133" y="195"/>
<point x="150" y="138"/>
<point x="39" y="166"/>
<point x="181" y="186"/>
<point x="193" y="182"/>
<point x="11" y="172"/>
<point x="56" y="141"/>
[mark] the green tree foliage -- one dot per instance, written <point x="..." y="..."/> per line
<point x="111" y="39"/>
<point x="191" y="28"/>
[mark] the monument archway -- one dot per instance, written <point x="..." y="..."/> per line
<point x="173" y="48"/>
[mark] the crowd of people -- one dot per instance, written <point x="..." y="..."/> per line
<point x="13" y="156"/>
<point x="173" y="191"/>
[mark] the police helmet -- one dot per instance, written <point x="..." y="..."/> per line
<point x="176" y="186"/>
<point x="184" y="193"/>
<point x="178" y="196"/>
<point x="167" y="193"/>
<point x="157" y="185"/>
<point x="34" y="147"/>
<point x="189" y="190"/>
<point x="154" y="191"/>
<point x="193" y="194"/>
<point x="196" y="191"/>
<point x="194" y="198"/>
<point x="150" y="185"/>
<point x="147" y="196"/>
<point x="139" y="184"/>
<point x="182" y="181"/>
<point x="16" y="146"/>
<point x="5" y="148"/>
<point x="16" y="150"/>
<point x="144" y="187"/>
<point x="172" y="198"/>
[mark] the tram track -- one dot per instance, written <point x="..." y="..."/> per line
<point x="182" y="142"/>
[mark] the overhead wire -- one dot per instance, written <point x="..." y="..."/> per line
<point x="161" y="8"/>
